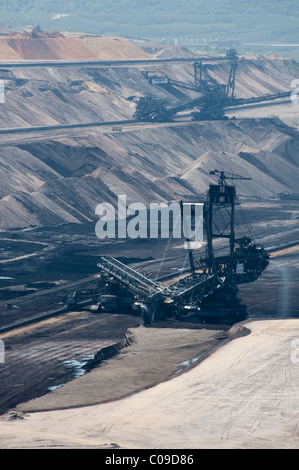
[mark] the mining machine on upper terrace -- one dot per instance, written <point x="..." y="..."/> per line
<point x="208" y="290"/>
<point x="212" y="101"/>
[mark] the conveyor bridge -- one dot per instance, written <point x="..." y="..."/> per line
<point x="146" y="287"/>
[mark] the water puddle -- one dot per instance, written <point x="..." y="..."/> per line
<point x="77" y="365"/>
<point x="54" y="387"/>
<point x="186" y="364"/>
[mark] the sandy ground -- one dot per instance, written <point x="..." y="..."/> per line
<point x="244" y="395"/>
<point x="291" y="249"/>
<point x="68" y="48"/>
<point x="152" y="355"/>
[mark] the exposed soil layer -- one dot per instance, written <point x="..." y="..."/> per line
<point x="151" y="356"/>
<point x="59" y="47"/>
<point x="55" y="180"/>
<point x="35" y="355"/>
<point x="243" y="396"/>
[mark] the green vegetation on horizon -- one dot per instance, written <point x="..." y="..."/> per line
<point x="253" y="20"/>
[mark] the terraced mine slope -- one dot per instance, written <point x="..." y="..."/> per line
<point x="51" y="181"/>
<point x="60" y="176"/>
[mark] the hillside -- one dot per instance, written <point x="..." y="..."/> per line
<point x="55" y="46"/>
<point x="47" y="96"/>
<point x="51" y="179"/>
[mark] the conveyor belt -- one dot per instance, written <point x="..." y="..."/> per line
<point x="203" y="284"/>
<point x="130" y="277"/>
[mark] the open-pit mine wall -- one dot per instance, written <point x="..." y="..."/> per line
<point x="48" y="179"/>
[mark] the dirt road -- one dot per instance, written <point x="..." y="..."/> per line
<point x="245" y="395"/>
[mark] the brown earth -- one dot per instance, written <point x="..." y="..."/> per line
<point x="150" y="356"/>
<point x="59" y="47"/>
<point x="35" y="354"/>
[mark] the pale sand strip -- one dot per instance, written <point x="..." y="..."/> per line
<point x="245" y="395"/>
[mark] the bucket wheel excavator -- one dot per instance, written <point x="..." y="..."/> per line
<point x="239" y="260"/>
<point x="208" y="291"/>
